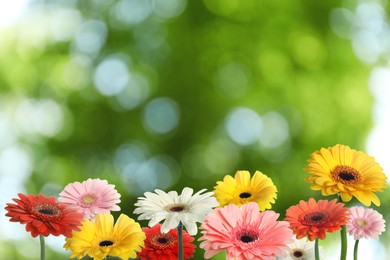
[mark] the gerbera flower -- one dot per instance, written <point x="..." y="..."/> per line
<point x="242" y="189"/>
<point x="43" y="215"/>
<point x="340" y="169"/>
<point x="102" y="238"/>
<point x="314" y="219"/>
<point x="302" y="249"/>
<point x="365" y="223"/>
<point x="186" y="208"/>
<point x="245" y="233"/>
<point x="91" y="197"/>
<point x="159" y="246"/>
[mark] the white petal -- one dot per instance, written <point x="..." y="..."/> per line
<point x="191" y="226"/>
<point x="186" y="194"/>
<point x="171" y="222"/>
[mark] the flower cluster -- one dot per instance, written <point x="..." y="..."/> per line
<point x="236" y="218"/>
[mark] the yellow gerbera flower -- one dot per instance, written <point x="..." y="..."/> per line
<point x="340" y="169"/>
<point x="242" y="189"/>
<point x="102" y="238"/>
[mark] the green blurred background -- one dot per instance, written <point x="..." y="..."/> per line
<point x="173" y="93"/>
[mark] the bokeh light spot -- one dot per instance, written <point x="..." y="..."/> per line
<point x="161" y="115"/>
<point x="111" y="76"/>
<point x="91" y="37"/>
<point x="342" y="21"/>
<point x="64" y="24"/>
<point x="7" y="131"/>
<point x="135" y="92"/>
<point x="169" y="8"/>
<point x="43" y="117"/>
<point x="274" y="65"/>
<point x="308" y="51"/>
<point x="233" y="79"/>
<point x="275" y="130"/>
<point x="142" y="172"/>
<point x="236" y="9"/>
<point x="243" y="125"/>
<point x="131" y="12"/>
<point x="76" y="72"/>
<point x="221" y="156"/>
<point x="366" y="46"/>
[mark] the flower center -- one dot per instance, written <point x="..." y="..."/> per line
<point x="176" y="208"/>
<point x="315" y="218"/>
<point x="47" y="209"/>
<point x="163" y="241"/>
<point x="106" y="243"/>
<point x="88" y="199"/>
<point x="245" y="195"/>
<point x="246" y="235"/>
<point x="361" y="222"/>
<point x="297" y="253"/>
<point x="346" y="175"/>
<point x="246" y="239"/>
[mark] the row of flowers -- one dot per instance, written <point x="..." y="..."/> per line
<point x="236" y="217"/>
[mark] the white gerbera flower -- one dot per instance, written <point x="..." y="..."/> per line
<point x="186" y="208"/>
<point x="302" y="249"/>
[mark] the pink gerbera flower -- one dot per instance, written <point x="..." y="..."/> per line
<point x="91" y="197"/>
<point x="245" y="233"/>
<point x="365" y="223"/>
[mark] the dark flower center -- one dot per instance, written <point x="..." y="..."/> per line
<point x="346" y="175"/>
<point x="47" y="209"/>
<point x="245" y="195"/>
<point x="246" y="235"/>
<point x="163" y="241"/>
<point x="297" y="253"/>
<point x="176" y="208"/>
<point x="106" y="243"/>
<point x="315" y="218"/>
<point x="246" y="239"/>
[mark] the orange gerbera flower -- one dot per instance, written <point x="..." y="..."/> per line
<point x="314" y="219"/>
<point x="44" y="216"/>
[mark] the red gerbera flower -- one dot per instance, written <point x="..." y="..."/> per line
<point x="44" y="216"/>
<point x="314" y="219"/>
<point x="159" y="246"/>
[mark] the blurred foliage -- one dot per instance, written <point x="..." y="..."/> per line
<point x="162" y="94"/>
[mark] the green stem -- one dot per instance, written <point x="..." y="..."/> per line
<point x="316" y="250"/>
<point x="42" y="242"/>
<point x="355" y="250"/>
<point x="343" y="236"/>
<point x="180" y="238"/>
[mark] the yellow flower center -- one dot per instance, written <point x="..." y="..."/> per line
<point x="361" y="222"/>
<point x="346" y="175"/>
<point x="89" y="199"/>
